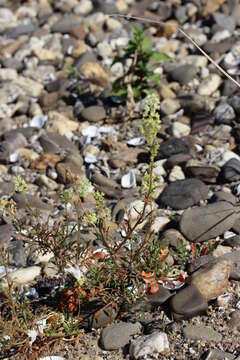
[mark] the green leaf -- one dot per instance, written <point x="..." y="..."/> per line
<point x="146" y="44"/>
<point x="159" y="56"/>
<point x="120" y="92"/>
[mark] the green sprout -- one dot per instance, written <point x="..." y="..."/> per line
<point x="20" y="185"/>
<point x="139" y="52"/>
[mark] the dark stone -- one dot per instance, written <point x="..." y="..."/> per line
<point x="172" y="146"/>
<point x="235" y="102"/>
<point x="206" y="173"/>
<point x="187" y="303"/>
<point x="160" y="297"/>
<point x="178" y="159"/>
<point x="201" y="122"/>
<point x="193" y="103"/>
<point x="231" y="170"/>
<point x="182" y="194"/>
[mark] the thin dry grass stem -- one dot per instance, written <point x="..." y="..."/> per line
<point x="158" y="22"/>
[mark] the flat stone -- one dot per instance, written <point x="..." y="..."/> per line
<point x="199" y="262"/>
<point x="118" y="335"/>
<point x="226" y="22"/>
<point x="224" y="196"/>
<point x="184" y="73"/>
<point x="177" y="159"/>
<point x="172" y="146"/>
<point x="215" y="354"/>
<point x="20" y="30"/>
<point x="200" y="332"/>
<point x="93" y="113"/>
<point x="25" y="200"/>
<point x="204" y="172"/>
<point x="207" y="222"/>
<point x="188" y="302"/>
<point x="211" y="280"/>
<point x="30" y="87"/>
<point x="100" y="179"/>
<point x="65" y="25"/>
<point x="6" y="233"/>
<point x="53" y="143"/>
<point x="182" y="194"/>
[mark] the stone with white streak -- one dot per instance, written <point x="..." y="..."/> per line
<point x="151" y="345"/>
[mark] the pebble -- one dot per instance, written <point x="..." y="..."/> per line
<point x="93" y="113"/>
<point x="209" y="85"/>
<point x="118" y="335"/>
<point x="169" y="106"/>
<point x="23" y="276"/>
<point x="176" y="174"/>
<point x="179" y="129"/>
<point x="224" y="113"/>
<point x="149" y="345"/>
<point x="199" y="332"/>
<point x="212" y="279"/>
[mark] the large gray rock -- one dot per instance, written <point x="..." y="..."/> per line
<point x="187" y="303"/>
<point x="182" y="194"/>
<point x="200" y="332"/>
<point x="119" y="335"/>
<point x="206" y="222"/>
